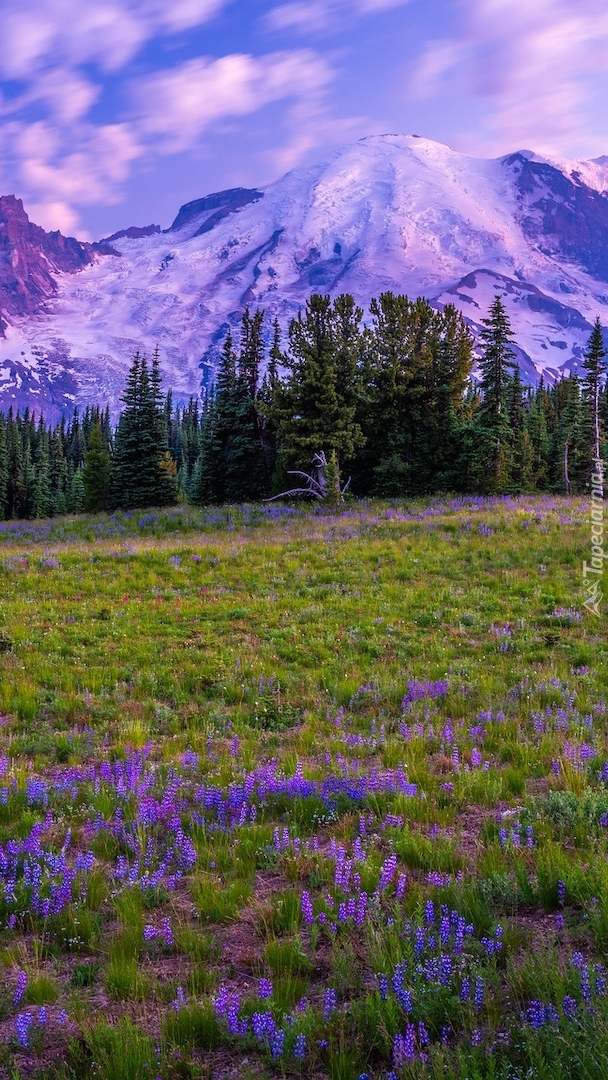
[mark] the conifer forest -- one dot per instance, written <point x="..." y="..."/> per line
<point x="388" y="397"/>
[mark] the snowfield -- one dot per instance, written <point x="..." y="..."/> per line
<point x="391" y="212"/>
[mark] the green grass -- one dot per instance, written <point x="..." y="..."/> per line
<point x="198" y="648"/>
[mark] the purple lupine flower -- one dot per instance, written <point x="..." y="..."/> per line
<point x="299" y="1050"/>
<point x="180" y="999"/>
<point x="534" y="1015"/>
<point x="20" y="988"/>
<point x="330" y="1003"/>
<point x="478" y="992"/>
<point x="561" y="892"/>
<point x="278" y="1043"/>
<point x="362" y="902"/>
<point x="167" y="932"/>
<point x="388" y="872"/>
<point x="569" y="1007"/>
<point x="585" y="983"/>
<point x="383" y="986"/>
<point x="445" y="969"/>
<point x="404" y="1047"/>
<point x="23" y="1022"/>
<point x="265" y="989"/>
<point x="423" y="1036"/>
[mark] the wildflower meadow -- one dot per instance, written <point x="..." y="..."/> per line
<point x="304" y="793"/>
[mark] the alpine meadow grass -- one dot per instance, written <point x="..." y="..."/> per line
<point x="297" y="793"/>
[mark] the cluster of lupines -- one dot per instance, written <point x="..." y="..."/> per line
<point x="562" y="716"/>
<point x="349" y="903"/>
<point x="516" y="836"/>
<point x="164" y="932"/>
<point x="280" y="1040"/>
<point x="239" y="804"/>
<point x="441" y="951"/>
<point x="33" y="1023"/>
<point x="593" y="984"/>
<point x="40" y="881"/>
<point x="418" y="689"/>
<point x="372" y="742"/>
<point x="149" y="806"/>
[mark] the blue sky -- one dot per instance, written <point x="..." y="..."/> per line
<point x="115" y="112"/>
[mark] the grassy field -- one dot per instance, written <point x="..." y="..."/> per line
<point x="298" y="794"/>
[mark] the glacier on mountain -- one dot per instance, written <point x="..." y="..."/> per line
<point x="391" y="212"/>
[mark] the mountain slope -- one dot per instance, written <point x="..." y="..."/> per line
<point x="388" y="212"/>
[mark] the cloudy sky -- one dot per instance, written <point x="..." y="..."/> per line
<point x="115" y="112"/>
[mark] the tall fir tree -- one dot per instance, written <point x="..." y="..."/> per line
<point x="492" y="420"/>
<point x="3" y="469"/>
<point x="595" y="367"/>
<point x="142" y="476"/>
<point x="313" y="410"/>
<point x="97" y="472"/>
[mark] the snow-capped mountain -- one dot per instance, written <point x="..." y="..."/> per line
<point x="391" y="212"/>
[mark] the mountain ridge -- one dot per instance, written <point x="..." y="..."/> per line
<point x="391" y="212"/>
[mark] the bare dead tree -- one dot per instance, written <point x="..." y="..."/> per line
<point x="317" y="484"/>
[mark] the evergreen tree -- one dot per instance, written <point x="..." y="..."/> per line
<point x="492" y="420"/>
<point x="521" y="445"/>
<point x="206" y="484"/>
<point x="566" y="464"/>
<point x="27" y="480"/>
<point x="141" y="442"/>
<point x="415" y="366"/>
<point x="42" y="503"/>
<point x="3" y="469"/>
<point x="245" y="465"/>
<point x="75" y="495"/>
<point x="58" y="472"/>
<point x="313" y="410"/>
<point x="97" y="472"/>
<point x="591" y="386"/>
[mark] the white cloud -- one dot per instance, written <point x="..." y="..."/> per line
<point x="57" y="176"/>
<point x="180" y="104"/>
<point x="37" y="33"/>
<point x="56" y="215"/>
<point x="63" y="161"/>
<point x="532" y="65"/>
<point x="67" y="95"/>
<point x="319" y="15"/>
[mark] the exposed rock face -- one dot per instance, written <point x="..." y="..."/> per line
<point x="29" y="259"/>
<point x="214" y="208"/>
<point x="562" y="214"/>
<point x="132" y="233"/>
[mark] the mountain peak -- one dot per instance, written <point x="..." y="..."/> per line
<point x="29" y="260"/>
<point x="391" y="212"/>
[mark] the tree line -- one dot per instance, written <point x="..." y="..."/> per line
<point x="389" y="403"/>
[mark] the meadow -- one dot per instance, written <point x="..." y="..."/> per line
<point x="287" y="792"/>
